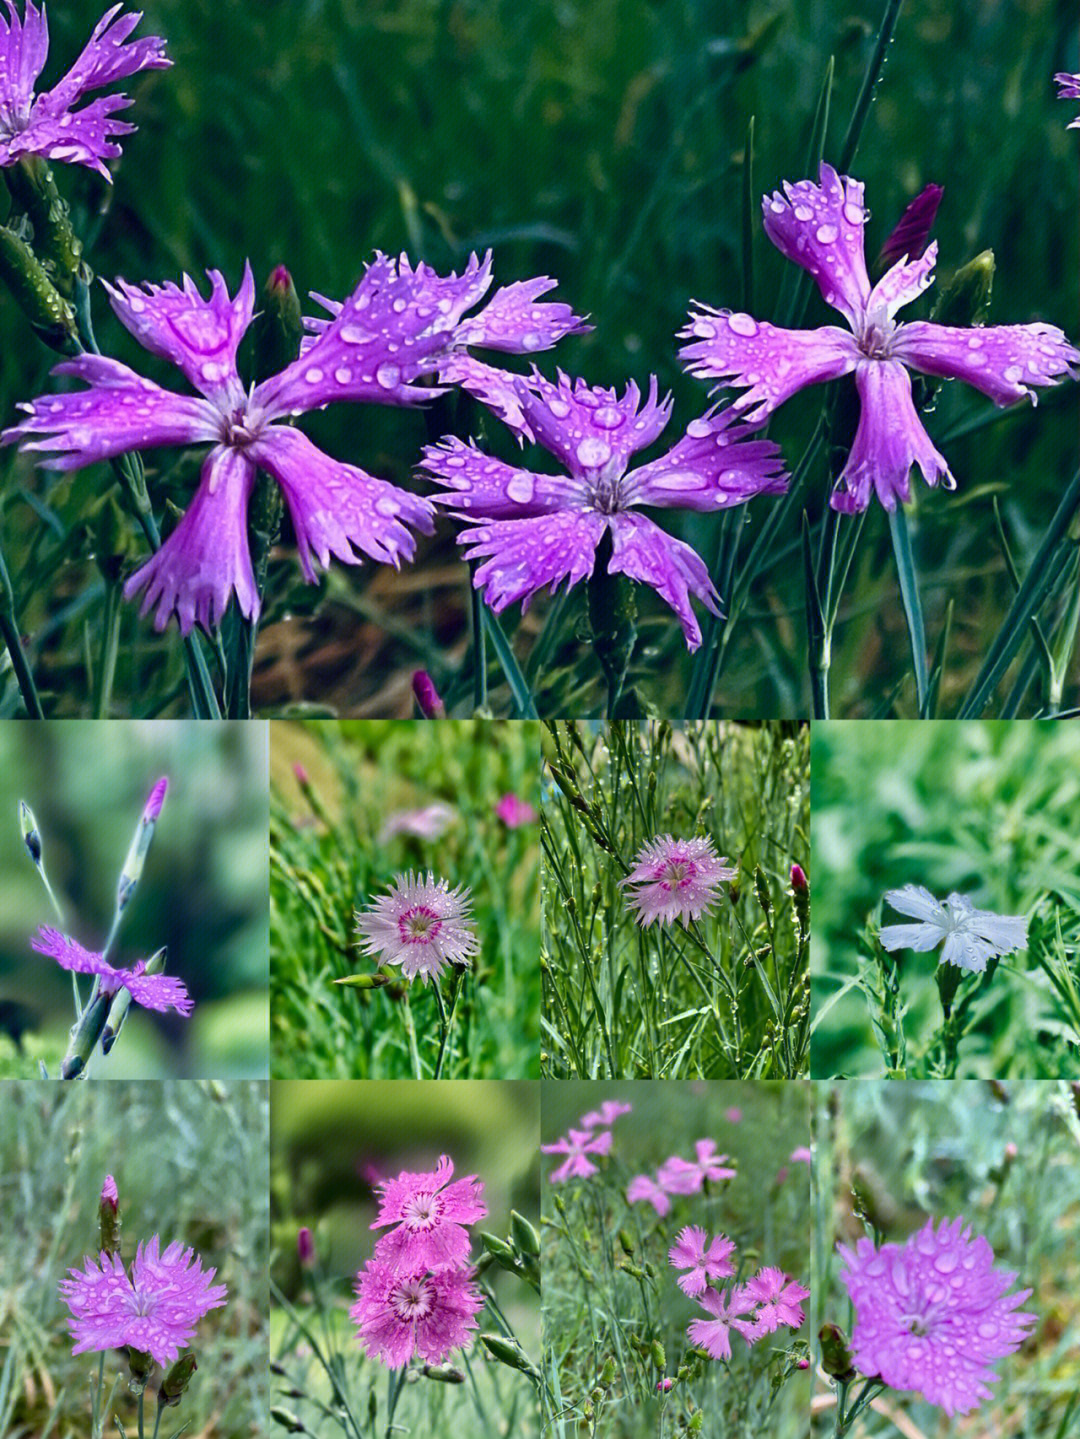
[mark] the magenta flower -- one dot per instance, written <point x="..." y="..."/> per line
<point x="376" y="347"/>
<point x="609" y="1111"/>
<point x="515" y="812"/>
<point x="644" y="1188"/>
<point x="733" y="1116"/>
<point x="801" y="1155"/>
<point x="152" y="808"/>
<point x="725" y="1306"/>
<point x="820" y="227"/>
<point x="779" y="1299"/>
<point x="428" y="700"/>
<point x="402" y="1315"/>
<point x="685" y="1176"/>
<point x="422" y="924"/>
<point x="1069" y="89"/>
<point x="154" y="1309"/>
<point x="704" y="1261"/>
<point x="675" y="879"/>
<point x="932" y="1315"/>
<point x="430" y="1213"/>
<point x="536" y="530"/>
<point x="577" y="1145"/>
<point x="160" y="992"/>
<point x="427" y="823"/>
<point x="512" y="321"/>
<point x="109" y="1193"/>
<point x="48" y="124"/>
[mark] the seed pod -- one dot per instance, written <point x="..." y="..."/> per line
<point x="525" y="1236"/>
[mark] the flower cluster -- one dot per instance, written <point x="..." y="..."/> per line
<point x="578" y="1144"/>
<point x="681" y="1176"/>
<point x="932" y="1315"/>
<point x="421" y="924"/>
<point x="415" y="1296"/>
<point x="759" y="1307"/>
<point x="972" y="936"/>
<point x="675" y="879"/>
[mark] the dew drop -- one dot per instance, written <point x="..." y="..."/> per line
<point x="826" y="234"/>
<point x="1013" y="374"/>
<point x="343" y="376"/>
<point x="520" y="488"/>
<point x="399" y="305"/>
<point x="136" y="306"/>
<point x="313" y="376"/>
<point x="384" y="505"/>
<point x="699" y="429"/>
<point x="387" y="376"/>
<point x="354" y="335"/>
<point x="742" y="325"/>
<point x="804" y="213"/>
<point x="532" y="341"/>
<point x="609" y="417"/>
<point x="211" y="371"/>
<point x="854" y="214"/>
<point x="593" y="453"/>
<point x="559" y="408"/>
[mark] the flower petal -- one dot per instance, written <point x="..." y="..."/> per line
<point x="512" y="321"/>
<point x="919" y="937"/>
<point x="902" y="284"/>
<point x="487" y="487"/>
<point x="967" y="951"/>
<point x="497" y="389"/>
<point x="1006" y="932"/>
<point x="106" y="58"/>
<point x="771" y="364"/>
<point x="820" y="227"/>
<point x="588" y="427"/>
<point x="160" y="992"/>
<point x="67" y="952"/>
<point x="717" y="463"/>
<point x="206" y="557"/>
<point x="335" y="506"/>
<point x="25" y="46"/>
<point x="524" y="556"/>
<point x="86" y="137"/>
<point x="644" y="552"/>
<point x="1069" y="89"/>
<point x="918" y="902"/>
<point x="890" y="438"/>
<point x="1003" y="361"/>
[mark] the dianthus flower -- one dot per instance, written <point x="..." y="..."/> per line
<point x="932" y="1315"/>
<point x="577" y="1144"/>
<point x="514" y="812"/>
<point x="801" y="1155"/>
<point x="1069" y="89"/>
<point x="430" y="1214"/>
<point x="160" y="992"/>
<point x="704" y="1261"/>
<point x="675" y="879"/>
<point x="778" y="1298"/>
<point x="728" y="1308"/>
<point x="378" y="344"/>
<point x="427" y="823"/>
<point x="820" y="227"/>
<point x="422" y="924"/>
<point x="511" y="322"/>
<point x="643" y="1187"/>
<point x="399" y="1315"/>
<point x="536" y="530"/>
<point x="972" y="936"/>
<point x="685" y="1176"/>
<point x="47" y="124"/>
<point x="154" y="1309"/>
<point x="609" y="1111"/>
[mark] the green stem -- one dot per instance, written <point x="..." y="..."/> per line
<point x="13" y="640"/>
<point x="109" y="648"/>
<point x="446" y="1022"/>
<point x="613" y="621"/>
<point x="479" y="650"/>
<point x="870" y="79"/>
<point x="157" y="1420"/>
<point x="142" y="1407"/>
<point x="909" y="594"/>
<point x="397" y="1383"/>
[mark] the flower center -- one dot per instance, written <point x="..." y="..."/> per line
<point x="875" y="338"/>
<point x="422" y="1211"/>
<point x="412" y="1299"/>
<point x="419" y="925"/>
<point x="677" y="874"/>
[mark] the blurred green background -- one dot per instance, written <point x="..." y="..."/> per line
<point x="203" y="892"/>
<point x="190" y="1164"/>
<point x="1005" y="1157"/>
<point x="601" y="142"/>
<point x="985" y="808"/>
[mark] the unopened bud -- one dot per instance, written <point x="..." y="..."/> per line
<point x="965" y="300"/>
<point x="835" y="1354"/>
<point x="51" y="316"/>
<point x="30" y="834"/>
<point x="177" y="1379"/>
<point x="305" y="1248"/>
<point x="659" y="1358"/>
<point x="607" y="1374"/>
<point x="109" y="1216"/>
<point x="525" y="1236"/>
<point x="287" y="1419"/>
<point x="444" y="1373"/>
<point x="140" y="1367"/>
<point x="798" y="877"/>
<point x="140" y="845"/>
<point x="428" y="700"/>
<point x="506" y="1351"/>
<point x="278" y="329"/>
<point x="912" y="233"/>
<point x="118" y="1010"/>
<point x="761" y="889"/>
<point x="366" y="981"/>
<point x="696" y="1421"/>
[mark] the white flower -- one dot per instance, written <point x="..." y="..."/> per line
<point x="972" y="936"/>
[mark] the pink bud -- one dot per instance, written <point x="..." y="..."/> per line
<point x="1011" y="1151"/>
<point x="427" y="696"/>
<point x="109" y="1195"/>
<point x="798" y="877"/>
<point x="305" y="1247"/>
<point x="803" y="1364"/>
<point x="514" y="812"/>
<point x="280" y="279"/>
<point x="663" y="1385"/>
<point x="301" y="774"/>
<point x="156" y="800"/>
<point x="733" y="1116"/>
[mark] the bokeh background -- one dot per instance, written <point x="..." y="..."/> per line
<point x="331" y="1143"/>
<point x="602" y="142"/>
<point x="203" y="891"/>
<point x="984" y="808"/>
<point x="190" y="1164"/>
<point x="1006" y="1157"/>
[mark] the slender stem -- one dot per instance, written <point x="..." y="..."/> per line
<point x="479" y="639"/>
<point x="157" y="1420"/>
<point x="446" y="1022"/>
<point x="909" y="594"/>
<point x="13" y="640"/>
<point x="96" y="1425"/>
<point x="142" y="1407"/>
<point x="870" y="79"/>
<point x="109" y="648"/>
<point x="397" y="1383"/>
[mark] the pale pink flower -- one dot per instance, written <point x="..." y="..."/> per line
<point x="422" y="924"/>
<point x="643" y="1188"/>
<point x="429" y="1213"/>
<point x="712" y="1334"/>
<point x="779" y="1296"/>
<point x="685" y="1176"/>
<point x="675" y="879"/>
<point x="427" y="823"/>
<point x="609" y="1111"/>
<point x="704" y="1261"/>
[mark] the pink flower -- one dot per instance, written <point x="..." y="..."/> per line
<point x="704" y="1261"/>
<point x="577" y="1145"/>
<point x="798" y="877"/>
<point x="1069" y="89"/>
<point x="642" y="1187"/>
<point x="401" y="1315"/>
<point x="427" y="823"/>
<point x="733" y="1116"/>
<point x="801" y="1155"/>
<point x="779" y="1299"/>
<point x="712" y="1334"/>
<point x="422" y="924"/>
<point x="515" y="812"/>
<point x="609" y="1111"/>
<point x="109" y="1195"/>
<point x="684" y="1176"/>
<point x="664" y="1385"/>
<point x="932" y="1315"/>
<point x="160" y="992"/>
<point x="430" y="1213"/>
<point x="820" y="227"/>
<point x="155" y="1309"/>
<point x="675" y="879"/>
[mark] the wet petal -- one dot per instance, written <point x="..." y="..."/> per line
<point x="912" y="232"/>
<point x="1069" y="89"/>
<point x="917" y="901"/>
<point x="919" y="937"/>
<point x="512" y="320"/>
<point x="1005" y="362"/>
<point x="902" y="284"/>
<point x="206" y="558"/>
<point x="771" y="364"/>
<point x="87" y="137"/>
<point x="106" y="58"/>
<point x="644" y="552"/>
<point x="335" y="507"/>
<point x="24" y="45"/>
<point x="890" y="439"/>
<point x="967" y="951"/>
<point x="524" y="556"/>
<point x="497" y="389"/>
<point x="717" y="463"/>
<point x="588" y="427"/>
<point x="820" y="227"/>
<point x="481" y="486"/>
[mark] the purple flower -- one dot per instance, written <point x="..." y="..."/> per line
<point x="972" y="936"/>
<point x="514" y="812"/>
<point x="154" y="1309"/>
<point x="536" y="530"/>
<point x="705" y="1261"/>
<point x="512" y="321"/>
<point x="779" y="1299"/>
<point x="932" y="1315"/>
<point x="47" y="124"/>
<point x="377" y="345"/>
<point x="156" y="799"/>
<point x="609" y="1111"/>
<point x="643" y="1187"/>
<point x="399" y="1315"/>
<point x="712" y="1334"/>
<point x="427" y="823"/>
<point x="577" y="1145"/>
<point x="160" y="992"/>
<point x="422" y="924"/>
<point x="685" y="1176"/>
<point x="429" y="1213"/>
<point x="820" y="227"/>
<point x="427" y="697"/>
<point x="675" y="879"/>
<point x="1069" y="89"/>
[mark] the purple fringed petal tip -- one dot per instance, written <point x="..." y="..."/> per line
<point x="912" y="233"/>
<point x="156" y="800"/>
<point x="109" y="1194"/>
<point x="1069" y="89"/>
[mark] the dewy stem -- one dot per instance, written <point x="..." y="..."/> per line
<point x="613" y="621"/>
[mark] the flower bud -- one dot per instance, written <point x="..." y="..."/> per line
<point x="31" y="837"/>
<point x="278" y="328"/>
<point x="109" y="1216"/>
<point x="177" y="1380"/>
<point x="965" y="300"/>
<point x="506" y="1351"/>
<point x="659" y="1358"/>
<point x="366" y="981"/>
<point x="140" y="845"/>
<point x="761" y="889"/>
<point x="835" y="1354"/>
<point x="305" y="1248"/>
<point x="288" y="1420"/>
<point x="525" y="1236"/>
<point x="663" y="1385"/>
<point x="118" y="1010"/>
<point x="444" y="1373"/>
<point x="912" y="233"/>
<point x="428" y="700"/>
<point x="51" y="317"/>
<point x="140" y="1367"/>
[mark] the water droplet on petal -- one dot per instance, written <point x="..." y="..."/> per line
<point x="387" y="376"/>
<point x="699" y="429"/>
<point x="313" y="376"/>
<point x="854" y="214"/>
<point x="1013" y="374"/>
<point x="559" y="408"/>
<point x="354" y="335"/>
<point x="743" y="325"/>
<point x="136" y="306"/>
<point x="804" y="213"/>
<point x="211" y="371"/>
<point x="826" y="234"/>
<point x="592" y="453"/>
<point x="532" y="341"/>
<point x="384" y="505"/>
<point x="609" y="417"/>
<point x="343" y="376"/>
<point x="399" y="305"/>
<point x="520" y="488"/>
<point x="704" y="329"/>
